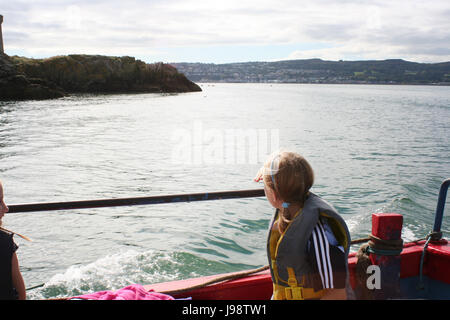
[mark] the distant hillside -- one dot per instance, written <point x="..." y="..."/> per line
<point x="320" y="71"/>
<point x="24" y="78"/>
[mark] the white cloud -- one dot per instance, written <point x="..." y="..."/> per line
<point x="408" y="29"/>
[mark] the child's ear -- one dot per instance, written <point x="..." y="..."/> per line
<point x="276" y="197"/>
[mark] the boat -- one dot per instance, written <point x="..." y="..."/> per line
<point x="414" y="270"/>
<point x="431" y="282"/>
<point x="419" y="270"/>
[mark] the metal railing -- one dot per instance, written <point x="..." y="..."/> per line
<point x="191" y="197"/>
<point x="440" y="209"/>
<point x="84" y="204"/>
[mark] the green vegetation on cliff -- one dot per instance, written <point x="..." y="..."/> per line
<point x="60" y="75"/>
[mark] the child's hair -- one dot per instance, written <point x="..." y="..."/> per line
<point x="290" y="176"/>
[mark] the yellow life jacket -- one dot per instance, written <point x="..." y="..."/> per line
<point x="287" y="253"/>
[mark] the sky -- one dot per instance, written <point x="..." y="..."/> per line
<point x="226" y="31"/>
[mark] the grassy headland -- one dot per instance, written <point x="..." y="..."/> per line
<point x="24" y="78"/>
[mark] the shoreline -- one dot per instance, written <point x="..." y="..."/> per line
<point x="336" y="83"/>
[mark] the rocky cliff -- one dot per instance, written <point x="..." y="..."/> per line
<point x="24" y="78"/>
<point x="15" y="85"/>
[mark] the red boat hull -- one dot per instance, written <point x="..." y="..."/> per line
<point x="259" y="286"/>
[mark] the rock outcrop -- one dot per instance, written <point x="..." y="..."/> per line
<point x="24" y="78"/>
<point x="15" y="85"/>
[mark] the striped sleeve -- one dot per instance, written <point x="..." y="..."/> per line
<point x="327" y="261"/>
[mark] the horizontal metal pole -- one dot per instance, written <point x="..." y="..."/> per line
<point x="84" y="204"/>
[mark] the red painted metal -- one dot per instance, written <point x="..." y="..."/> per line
<point x="387" y="226"/>
<point x="437" y="261"/>
<point x="259" y="286"/>
<point x="254" y="287"/>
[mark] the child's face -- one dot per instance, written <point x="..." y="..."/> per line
<point x="270" y="193"/>
<point x="3" y="207"/>
<point x="271" y="196"/>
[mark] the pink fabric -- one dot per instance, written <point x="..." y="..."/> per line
<point x="132" y="292"/>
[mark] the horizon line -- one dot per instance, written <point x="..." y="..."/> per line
<point x="237" y="62"/>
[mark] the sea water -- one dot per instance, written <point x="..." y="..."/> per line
<point x="373" y="148"/>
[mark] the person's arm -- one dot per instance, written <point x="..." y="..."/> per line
<point x="328" y="263"/>
<point x="17" y="278"/>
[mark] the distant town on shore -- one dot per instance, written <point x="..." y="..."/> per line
<point x="393" y="71"/>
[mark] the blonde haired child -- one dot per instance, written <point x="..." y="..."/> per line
<point x="308" y="241"/>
